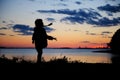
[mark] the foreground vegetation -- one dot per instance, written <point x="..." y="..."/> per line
<point x="22" y="60"/>
<point x="59" y="65"/>
<point x="63" y="60"/>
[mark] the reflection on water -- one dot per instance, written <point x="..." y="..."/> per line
<point x="83" y="55"/>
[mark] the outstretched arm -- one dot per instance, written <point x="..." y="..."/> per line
<point x="51" y="38"/>
<point x="49" y="24"/>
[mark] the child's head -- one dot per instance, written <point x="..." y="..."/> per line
<point x="39" y="23"/>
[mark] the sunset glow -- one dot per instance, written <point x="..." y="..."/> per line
<point x="76" y="23"/>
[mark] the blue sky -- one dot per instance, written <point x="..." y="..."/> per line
<point x="90" y="18"/>
<point x="28" y="8"/>
<point x="18" y="10"/>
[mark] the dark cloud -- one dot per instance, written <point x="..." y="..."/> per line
<point x="77" y="2"/>
<point x="89" y="33"/>
<point x="105" y="36"/>
<point x="110" y="8"/>
<point x="106" y="32"/>
<point x="50" y="19"/>
<point x="31" y="0"/>
<point x="2" y="34"/>
<point x="103" y="22"/>
<point x="76" y="30"/>
<point x="27" y="30"/>
<point x="80" y="16"/>
<point x="3" y="28"/>
<point x="23" y="29"/>
<point x="89" y="16"/>
<point x="106" y="22"/>
<point x="3" y="21"/>
<point x="98" y="43"/>
<point x="109" y="13"/>
<point x="48" y="29"/>
<point x="86" y="13"/>
<point x="74" y="19"/>
<point x="62" y="11"/>
<point x="11" y="35"/>
<point x="85" y="41"/>
<point x="63" y="0"/>
<point x="92" y="34"/>
<point x="88" y="42"/>
<point x="47" y="11"/>
<point x="110" y="0"/>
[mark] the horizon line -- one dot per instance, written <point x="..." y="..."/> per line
<point x="55" y="48"/>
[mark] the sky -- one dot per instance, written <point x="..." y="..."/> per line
<point x="76" y="23"/>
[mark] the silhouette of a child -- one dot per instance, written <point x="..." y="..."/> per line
<point x="40" y="38"/>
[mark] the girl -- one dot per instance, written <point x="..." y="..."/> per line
<point x="40" y="38"/>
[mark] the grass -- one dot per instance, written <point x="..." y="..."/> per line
<point x="22" y="60"/>
<point x="54" y="60"/>
<point x="55" y="64"/>
<point x="14" y="60"/>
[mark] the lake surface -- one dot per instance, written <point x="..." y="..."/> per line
<point x="82" y="55"/>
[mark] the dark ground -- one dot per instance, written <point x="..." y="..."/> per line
<point x="18" y="65"/>
<point x="60" y="71"/>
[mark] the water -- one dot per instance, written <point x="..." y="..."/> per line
<point x="82" y="55"/>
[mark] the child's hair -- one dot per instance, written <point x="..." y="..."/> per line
<point x="39" y="22"/>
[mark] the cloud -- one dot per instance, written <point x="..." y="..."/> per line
<point x="3" y="28"/>
<point x="77" y="2"/>
<point x="110" y="8"/>
<point x="106" y="32"/>
<point x="76" y="30"/>
<point x="81" y="12"/>
<point x="91" y="33"/>
<point x="73" y="19"/>
<point x="75" y="16"/>
<point x="89" y="16"/>
<point x="109" y="13"/>
<point x="112" y="0"/>
<point x="2" y="34"/>
<point x="85" y="41"/>
<point x="48" y="29"/>
<point x="32" y="0"/>
<point x="50" y="19"/>
<point x="27" y="30"/>
<point x="3" y="21"/>
<point x="88" y="42"/>
<point x="11" y="35"/>
<point x="63" y="0"/>
<point x="105" y="22"/>
<point x="61" y="11"/>
<point x="98" y="43"/>
<point x="23" y="29"/>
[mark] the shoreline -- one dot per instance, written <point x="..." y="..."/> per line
<point x="104" y="51"/>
